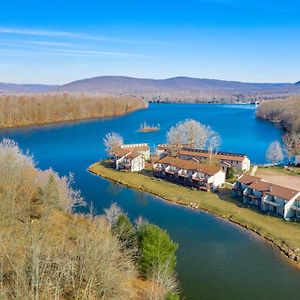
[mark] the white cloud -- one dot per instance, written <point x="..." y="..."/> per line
<point x="68" y="52"/>
<point x="59" y="34"/>
<point x="24" y="31"/>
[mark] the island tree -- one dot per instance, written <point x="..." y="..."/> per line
<point x="274" y="153"/>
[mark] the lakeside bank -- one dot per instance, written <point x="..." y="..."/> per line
<point x="285" y="236"/>
<point x="41" y="109"/>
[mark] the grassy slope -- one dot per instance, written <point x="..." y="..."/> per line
<point x="285" y="235"/>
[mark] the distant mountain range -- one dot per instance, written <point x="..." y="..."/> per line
<point x="25" y="88"/>
<point x="175" y="89"/>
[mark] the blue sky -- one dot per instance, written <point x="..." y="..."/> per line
<point x="56" y="41"/>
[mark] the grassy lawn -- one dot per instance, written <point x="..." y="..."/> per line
<point x="284" y="234"/>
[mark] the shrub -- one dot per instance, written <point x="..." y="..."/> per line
<point x="229" y="173"/>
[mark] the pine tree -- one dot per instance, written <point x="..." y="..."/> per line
<point x="157" y="250"/>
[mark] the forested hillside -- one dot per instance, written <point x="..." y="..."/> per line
<point x="286" y="112"/>
<point x="182" y="89"/>
<point x="20" y="110"/>
<point x="49" y="252"/>
<point x="176" y="89"/>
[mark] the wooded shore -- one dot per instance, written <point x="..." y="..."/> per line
<point x="37" y="109"/>
<point x="285" y="112"/>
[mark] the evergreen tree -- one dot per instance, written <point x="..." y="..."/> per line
<point x="229" y="173"/>
<point x="157" y="250"/>
<point x="125" y="231"/>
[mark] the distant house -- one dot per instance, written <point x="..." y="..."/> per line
<point x="162" y="150"/>
<point x="142" y="148"/>
<point x="190" y="173"/>
<point x="131" y="157"/>
<point x="239" y="162"/>
<point x="268" y="197"/>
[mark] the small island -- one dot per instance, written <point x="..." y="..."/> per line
<point x="144" y="127"/>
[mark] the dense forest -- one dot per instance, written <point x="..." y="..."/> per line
<point x="29" y="109"/>
<point x="286" y="112"/>
<point x="49" y="252"/>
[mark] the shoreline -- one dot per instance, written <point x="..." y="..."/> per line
<point x="72" y="120"/>
<point x="292" y="257"/>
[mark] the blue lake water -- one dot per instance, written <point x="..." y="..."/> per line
<point x="216" y="259"/>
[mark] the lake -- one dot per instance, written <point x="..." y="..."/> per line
<point x="216" y="259"/>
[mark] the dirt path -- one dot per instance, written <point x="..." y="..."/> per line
<point x="289" y="181"/>
<point x="253" y="171"/>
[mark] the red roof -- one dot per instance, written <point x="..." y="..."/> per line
<point x="133" y="155"/>
<point x="121" y="152"/>
<point x="189" y="165"/>
<point x="273" y="189"/>
<point x="134" y="147"/>
<point x="282" y="192"/>
<point x="248" y="179"/>
<point x="206" y="154"/>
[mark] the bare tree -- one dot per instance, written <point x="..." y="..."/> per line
<point x="290" y="140"/>
<point x="112" y="141"/>
<point x="47" y="253"/>
<point x="27" y="109"/>
<point x="274" y="153"/>
<point x="189" y="133"/>
<point x="113" y="213"/>
<point x="213" y="143"/>
<point x="163" y="283"/>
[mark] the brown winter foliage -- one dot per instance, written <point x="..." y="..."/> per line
<point x="48" y="252"/>
<point x="286" y="112"/>
<point x="34" y="109"/>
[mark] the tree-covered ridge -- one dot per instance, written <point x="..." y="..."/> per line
<point x="286" y="112"/>
<point x="33" y="109"/>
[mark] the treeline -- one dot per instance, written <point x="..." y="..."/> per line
<point x="49" y="252"/>
<point x="34" y="109"/>
<point x="286" y="112"/>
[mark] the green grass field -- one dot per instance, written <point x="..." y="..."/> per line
<point x="284" y="234"/>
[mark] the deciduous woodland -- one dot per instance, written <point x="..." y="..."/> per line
<point x="34" y="109"/>
<point x="48" y="252"/>
<point x="286" y="112"/>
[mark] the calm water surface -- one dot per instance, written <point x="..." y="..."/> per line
<point x="216" y="259"/>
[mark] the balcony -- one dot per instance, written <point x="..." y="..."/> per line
<point x="198" y="179"/>
<point x="251" y="196"/>
<point x="170" y="171"/>
<point x="237" y="187"/>
<point x="159" y="168"/>
<point x="183" y="173"/>
<point x="270" y="200"/>
<point x="296" y="208"/>
<point x="125" y="164"/>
